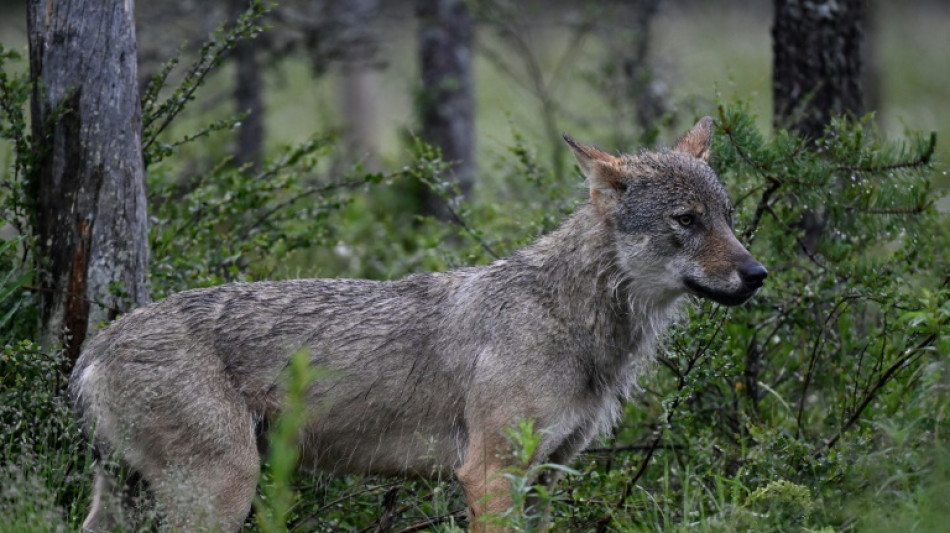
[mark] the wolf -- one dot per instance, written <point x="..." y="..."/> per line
<point x="424" y="374"/>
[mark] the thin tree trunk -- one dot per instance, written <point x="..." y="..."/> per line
<point x="870" y="57"/>
<point x="247" y="97"/>
<point x="360" y="85"/>
<point x="634" y="98"/>
<point x="446" y="103"/>
<point x="89" y="183"/>
<point x="359" y="41"/>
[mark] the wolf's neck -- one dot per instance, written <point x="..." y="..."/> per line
<point x="580" y="269"/>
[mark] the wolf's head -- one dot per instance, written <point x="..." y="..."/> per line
<point x="672" y="219"/>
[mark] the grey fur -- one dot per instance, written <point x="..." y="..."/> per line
<point x="425" y="372"/>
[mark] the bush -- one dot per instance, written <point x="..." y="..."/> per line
<point x="782" y="408"/>
<point x="822" y="401"/>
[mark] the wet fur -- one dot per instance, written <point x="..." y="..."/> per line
<point x="424" y="373"/>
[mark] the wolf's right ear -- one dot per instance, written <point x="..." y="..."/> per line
<point x="698" y="142"/>
<point x="602" y="170"/>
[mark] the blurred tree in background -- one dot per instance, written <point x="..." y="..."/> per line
<point x="817" y="65"/>
<point x="823" y="404"/>
<point x="446" y="102"/>
<point x="816" y="73"/>
<point x="359" y="78"/>
<point x="248" y="97"/>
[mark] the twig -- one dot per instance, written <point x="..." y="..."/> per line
<point x="640" y="446"/>
<point x="313" y="514"/>
<point x="885" y="378"/>
<point x="458" y="220"/>
<point x="801" y="244"/>
<point x="196" y="75"/>
<point x="916" y="210"/>
<point x="389" y="510"/>
<point x="774" y="185"/>
<point x="922" y="160"/>
<point x="808" y="374"/>
<point x="835" y="311"/>
<point x="310" y="191"/>
<point x="429" y="522"/>
<point x="655" y="444"/>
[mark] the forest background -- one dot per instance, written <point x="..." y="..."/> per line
<point x="301" y="143"/>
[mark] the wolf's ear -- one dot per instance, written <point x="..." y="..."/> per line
<point x="601" y="169"/>
<point x="698" y="142"/>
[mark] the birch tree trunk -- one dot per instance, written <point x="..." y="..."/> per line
<point x="89" y="183"/>
<point x="359" y="42"/>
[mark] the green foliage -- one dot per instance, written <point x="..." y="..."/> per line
<point x="922" y="507"/>
<point x="821" y="405"/>
<point x="236" y="224"/>
<point x="43" y="470"/>
<point x="277" y="496"/>
<point x="158" y="113"/>
<point x="530" y="499"/>
<point x="17" y="319"/>
<point x="27" y="501"/>
<point x="786" y="395"/>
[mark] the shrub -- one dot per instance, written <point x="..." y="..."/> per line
<point x="823" y="400"/>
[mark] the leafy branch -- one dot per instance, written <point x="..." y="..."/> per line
<point x="157" y="116"/>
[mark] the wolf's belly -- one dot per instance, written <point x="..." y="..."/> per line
<point x="378" y="443"/>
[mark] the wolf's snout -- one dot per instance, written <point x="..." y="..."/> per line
<point x="753" y="274"/>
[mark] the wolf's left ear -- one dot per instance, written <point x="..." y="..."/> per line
<point x="602" y="170"/>
<point x="698" y="142"/>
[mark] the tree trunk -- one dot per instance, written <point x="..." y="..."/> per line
<point x="634" y="97"/>
<point x="247" y="97"/>
<point x="360" y="86"/>
<point x="816" y="74"/>
<point x="817" y="63"/>
<point x="360" y="81"/>
<point x="446" y="103"/>
<point x="88" y="189"/>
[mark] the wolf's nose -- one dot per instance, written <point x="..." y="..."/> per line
<point x="753" y="273"/>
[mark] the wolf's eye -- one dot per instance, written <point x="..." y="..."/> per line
<point x="686" y="220"/>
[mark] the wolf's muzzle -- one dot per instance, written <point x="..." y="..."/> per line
<point x="751" y="273"/>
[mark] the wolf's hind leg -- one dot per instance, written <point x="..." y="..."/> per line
<point x="210" y="485"/>
<point x="192" y="441"/>
<point x="118" y="499"/>
<point x="100" y="518"/>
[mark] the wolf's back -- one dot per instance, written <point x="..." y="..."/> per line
<point x="154" y="366"/>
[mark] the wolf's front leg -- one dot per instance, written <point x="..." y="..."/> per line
<point x="487" y="491"/>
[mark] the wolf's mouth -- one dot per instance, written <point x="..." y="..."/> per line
<point x="722" y="297"/>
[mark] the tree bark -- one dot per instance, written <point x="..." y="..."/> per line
<point x="816" y="74"/>
<point x="88" y="187"/>
<point x="817" y="63"/>
<point x="446" y="103"/>
<point x="247" y="97"/>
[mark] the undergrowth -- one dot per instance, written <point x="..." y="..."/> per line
<point x="820" y="406"/>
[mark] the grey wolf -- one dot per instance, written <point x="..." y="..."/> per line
<point x="426" y="372"/>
